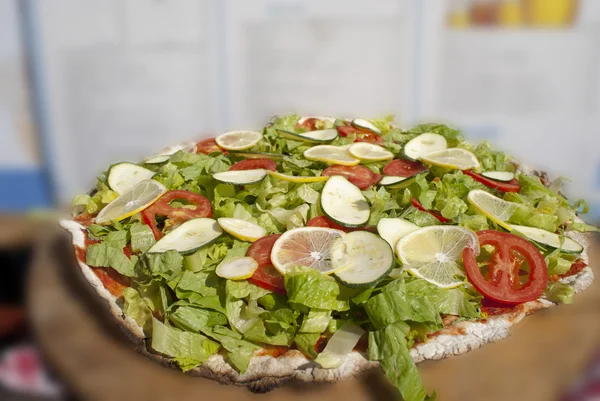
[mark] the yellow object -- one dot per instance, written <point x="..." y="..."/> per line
<point x="432" y="253"/>
<point x="370" y="152"/>
<point x="550" y="13"/>
<point x="459" y="19"/>
<point x="331" y="154"/>
<point x="237" y="268"/>
<point x="455" y="158"/>
<point x="238" y="140"/>
<point x="510" y="13"/>
<point x="297" y="178"/>
<point x="496" y="209"/>
<point x="242" y="229"/>
<point x="131" y="202"/>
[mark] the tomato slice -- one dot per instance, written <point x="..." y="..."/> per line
<point x="403" y="168"/>
<point x="322" y="221"/>
<point x="370" y="137"/>
<point x="251" y="164"/>
<point x="502" y="282"/>
<point x="266" y="276"/>
<point x="509" y="186"/>
<point x="310" y="124"/>
<point x="360" y="176"/>
<point x="177" y="215"/>
<point x="435" y="214"/>
<point x="345" y="130"/>
<point x="208" y="146"/>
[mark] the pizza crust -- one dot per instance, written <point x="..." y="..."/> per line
<point x="267" y="372"/>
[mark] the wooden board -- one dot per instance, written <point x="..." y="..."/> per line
<point x="545" y="354"/>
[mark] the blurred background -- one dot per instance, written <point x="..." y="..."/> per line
<point x="85" y="83"/>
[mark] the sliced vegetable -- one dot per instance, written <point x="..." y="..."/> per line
<point x="396" y="182"/>
<point x="423" y="144"/>
<point x="254" y="164"/>
<point x="371" y="259"/>
<point x="504" y="176"/>
<point x="241" y="229"/>
<point x="511" y="185"/>
<point x="176" y="215"/>
<point x="322" y="249"/>
<point x="404" y="168"/>
<point x="340" y="345"/>
<point x="365" y="125"/>
<point x="166" y="153"/>
<point x="124" y="176"/>
<point x="320" y="136"/>
<point x="453" y="158"/>
<point x="496" y="209"/>
<point x="131" y="202"/>
<point x="432" y="253"/>
<point x="547" y="238"/>
<point x="237" y="268"/>
<point x="503" y="282"/>
<point x="370" y="152"/>
<point x="241" y="177"/>
<point x="360" y="176"/>
<point x="344" y="203"/>
<point x="189" y="237"/>
<point x="208" y="146"/>
<point x="393" y="229"/>
<point x="256" y="155"/>
<point x="238" y="140"/>
<point x="261" y="249"/>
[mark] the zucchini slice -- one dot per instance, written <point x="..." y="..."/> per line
<point x="392" y="229"/>
<point x="124" y="176"/>
<point x="241" y="177"/>
<point x="423" y="144"/>
<point x="371" y="258"/>
<point x="363" y="124"/>
<point x="320" y="136"/>
<point x="393" y="182"/>
<point x="189" y="237"/>
<point x="344" y="203"/>
<point x="256" y="155"/>
<point x="503" y="176"/>
<point x="547" y="238"/>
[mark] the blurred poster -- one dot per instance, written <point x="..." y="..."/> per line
<point x="336" y="57"/>
<point x="524" y="76"/>
<point x="125" y="78"/>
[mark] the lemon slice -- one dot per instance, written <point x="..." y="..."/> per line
<point x="238" y="140"/>
<point x="323" y="249"/>
<point x="331" y="154"/>
<point x="456" y="158"/>
<point x="432" y="253"/>
<point x="142" y="195"/>
<point x="496" y="209"/>
<point x="297" y="178"/>
<point x="237" y="268"/>
<point x="370" y="152"/>
<point x="242" y="229"/>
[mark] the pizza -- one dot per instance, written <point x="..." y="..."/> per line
<point x="317" y="248"/>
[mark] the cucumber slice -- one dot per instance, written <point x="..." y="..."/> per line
<point x="241" y="177"/>
<point x="189" y="237"/>
<point x="304" y="118"/>
<point x="547" y="238"/>
<point x="423" y="144"/>
<point x="344" y="203"/>
<point x="392" y="229"/>
<point x="371" y="258"/>
<point x="321" y="136"/>
<point x="257" y="155"/>
<point x="391" y="181"/>
<point x="166" y="153"/>
<point x="124" y="176"/>
<point x="364" y="124"/>
<point x="499" y="175"/>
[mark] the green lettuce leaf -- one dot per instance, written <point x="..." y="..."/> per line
<point x="306" y="342"/>
<point x="316" y="321"/>
<point x="142" y="237"/>
<point x="136" y="308"/>
<point x="166" y="265"/>
<point x="105" y="255"/>
<point x="315" y="290"/>
<point x="559" y="293"/>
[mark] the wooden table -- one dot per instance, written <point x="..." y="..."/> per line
<point x="546" y="353"/>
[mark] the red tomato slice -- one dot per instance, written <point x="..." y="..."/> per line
<point x="208" y="146"/>
<point x="435" y="214"/>
<point x="360" y="176"/>
<point x="403" y="168"/>
<point x="502" y="282"/>
<point x="345" y="130"/>
<point x="269" y="278"/>
<point x="509" y="186"/>
<point x="310" y="124"/>
<point x="370" y="137"/>
<point x="260" y="250"/>
<point x="177" y="215"/>
<point x="251" y="164"/>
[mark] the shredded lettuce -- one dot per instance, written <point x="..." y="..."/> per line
<point x="107" y="255"/>
<point x="559" y="293"/>
<point x="142" y="237"/>
<point x="136" y="308"/>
